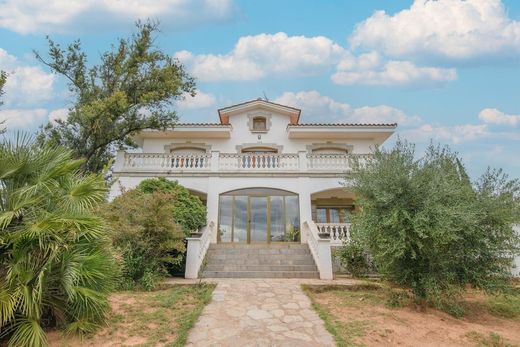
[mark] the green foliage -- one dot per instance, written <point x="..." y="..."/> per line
<point x="3" y="79"/>
<point x="145" y="232"/>
<point x="428" y="228"/>
<point x="354" y="258"/>
<point x="133" y="88"/>
<point x="56" y="264"/>
<point x="188" y="210"/>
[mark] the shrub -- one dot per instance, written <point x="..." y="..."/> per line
<point x="354" y="258"/>
<point x="188" y="210"/>
<point x="145" y="232"/>
<point x="429" y="228"/>
<point x="56" y="263"/>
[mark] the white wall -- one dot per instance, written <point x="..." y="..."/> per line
<point x="241" y="134"/>
<point x="213" y="186"/>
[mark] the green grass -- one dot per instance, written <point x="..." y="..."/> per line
<point x="503" y="306"/>
<point x="491" y="340"/>
<point x="161" y="317"/>
<point x="344" y="333"/>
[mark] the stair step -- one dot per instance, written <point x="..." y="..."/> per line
<point x="261" y="257"/>
<point x="256" y="261"/>
<point x="276" y="260"/>
<point x="260" y="274"/>
<point x="292" y="245"/>
<point x="228" y="267"/>
<point x="267" y="251"/>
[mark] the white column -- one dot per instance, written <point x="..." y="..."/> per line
<point x="212" y="205"/>
<point x="305" y="204"/>
<point x="215" y="157"/>
<point x="120" y="161"/>
<point x="192" y="255"/>
<point x="325" y="258"/>
<point x="302" y="160"/>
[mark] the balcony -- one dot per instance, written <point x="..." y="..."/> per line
<point x="236" y="162"/>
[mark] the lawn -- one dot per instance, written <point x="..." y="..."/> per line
<point x="372" y="315"/>
<point x="158" y="318"/>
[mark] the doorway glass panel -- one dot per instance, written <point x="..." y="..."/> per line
<point x="259" y="215"/>
<point x="226" y="212"/>
<point x="240" y="219"/>
<point x="258" y="218"/>
<point x="292" y="218"/>
<point x="277" y="220"/>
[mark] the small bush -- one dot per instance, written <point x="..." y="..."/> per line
<point x="397" y="298"/>
<point x="354" y="259"/>
<point x="146" y="234"/>
<point x="188" y="211"/>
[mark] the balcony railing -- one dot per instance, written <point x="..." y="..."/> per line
<point x="336" y="232"/>
<point x="258" y="162"/>
<point x="235" y="162"/>
<point x="165" y="162"/>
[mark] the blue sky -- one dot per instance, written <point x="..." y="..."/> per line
<point x="445" y="70"/>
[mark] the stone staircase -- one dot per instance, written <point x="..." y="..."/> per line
<point x="280" y="260"/>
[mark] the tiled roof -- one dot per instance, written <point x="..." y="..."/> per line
<point x="201" y="124"/>
<point x="344" y="125"/>
<point x="259" y="99"/>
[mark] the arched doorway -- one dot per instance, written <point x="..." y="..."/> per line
<point x="259" y="215"/>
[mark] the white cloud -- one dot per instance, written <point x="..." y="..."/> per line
<point x="58" y="114"/>
<point x="200" y="100"/>
<point x="63" y="16"/>
<point x="255" y="56"/>
<point x="452" y="29"/>
<point x="494" y="116"/>
<point x="26" y="85"/>
<point x="371" y="69"/>
<point x="455" y="134"/>
<point x="23" y="119"/>
<point x="319" y="108"/>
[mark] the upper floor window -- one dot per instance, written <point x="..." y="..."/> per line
<point x="259" y="124"/>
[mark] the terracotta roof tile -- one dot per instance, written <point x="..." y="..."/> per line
<point x="344" y="124"/>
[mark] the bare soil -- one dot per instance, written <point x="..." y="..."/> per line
<point x="158" y="318"/>
<point x="362" y="318"/>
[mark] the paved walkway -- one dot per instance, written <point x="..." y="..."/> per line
<point x="259" y="312"/>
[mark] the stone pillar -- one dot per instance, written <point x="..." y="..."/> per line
<point x="212" y="205"/>
<point x="192" y="255"/>
<point x="302" y="161"/>
<point x="119" y="161"/>
<point x="305" y="204"/>
<point x="214" y="164"/>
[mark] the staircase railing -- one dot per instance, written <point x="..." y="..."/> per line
<point x="320" y="250"/>
<point x="337" y="232"/>
<point x="196" y="250"/>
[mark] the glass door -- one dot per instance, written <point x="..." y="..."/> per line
<point x="258" y="222"/>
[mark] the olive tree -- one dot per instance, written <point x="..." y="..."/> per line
<point x="429" y="228"/>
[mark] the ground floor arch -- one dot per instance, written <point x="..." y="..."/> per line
<point x="253" y="215"/>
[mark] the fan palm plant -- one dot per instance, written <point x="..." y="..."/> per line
<point x="56" y="266"/>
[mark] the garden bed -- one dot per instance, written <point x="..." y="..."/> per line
<point x="158" y="318"/>
<point x="368" y="315"/>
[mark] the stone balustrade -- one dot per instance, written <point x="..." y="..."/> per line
<point x="235" y="162"/>
<point x="336" y="232"/>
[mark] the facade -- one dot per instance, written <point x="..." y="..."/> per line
<point x="264" y="175"/>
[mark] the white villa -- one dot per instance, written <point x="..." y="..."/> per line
<point x="271" y="183"/>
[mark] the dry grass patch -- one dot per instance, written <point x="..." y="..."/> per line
<point x="159" y="318"/>
<point x="373" y="314"/>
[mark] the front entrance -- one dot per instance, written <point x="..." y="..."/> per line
<point x="259" y="215"/>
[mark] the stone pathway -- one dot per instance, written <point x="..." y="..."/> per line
<point x="259" y="312"/>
